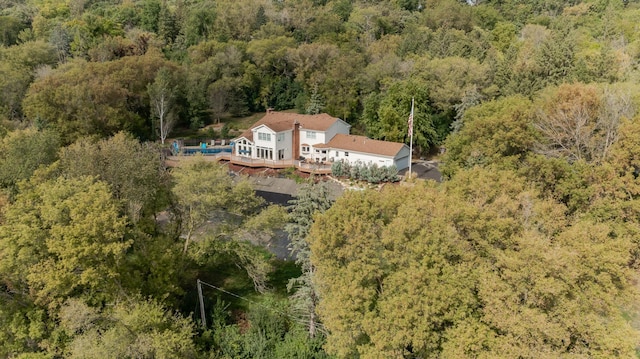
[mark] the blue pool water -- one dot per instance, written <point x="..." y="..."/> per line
<point x="205" y="151"/>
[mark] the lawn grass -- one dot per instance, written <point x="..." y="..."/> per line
<point x="243" y="123"/>
<point x="240" y="293"/>
<point x="283" y="271"/>
<point x="237" y="124"/>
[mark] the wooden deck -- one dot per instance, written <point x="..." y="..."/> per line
<point x="313" y="168"/>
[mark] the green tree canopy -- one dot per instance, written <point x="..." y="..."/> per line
<point x="203" y="188"/>
<point x="82" y="98"/>
<point x="495" y="132"/>
<point x="386" y="114"/>
<point x="131" y="328"/>
<point x="131" y="168"/>
<point x="63" y="238"/>
<point x="22" y="152"/>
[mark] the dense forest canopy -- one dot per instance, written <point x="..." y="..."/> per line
<point x="529" y="248"/>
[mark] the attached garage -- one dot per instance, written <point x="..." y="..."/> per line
<point x="360" y="149"/>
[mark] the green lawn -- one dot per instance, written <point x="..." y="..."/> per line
<point x="236" y="124"/>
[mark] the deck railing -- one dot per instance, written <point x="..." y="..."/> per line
<point x="308" y="167"/>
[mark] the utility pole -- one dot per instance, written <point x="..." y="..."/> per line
<point x="202" y="317"/>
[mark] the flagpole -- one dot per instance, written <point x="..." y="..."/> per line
<point x="411" y="137"/>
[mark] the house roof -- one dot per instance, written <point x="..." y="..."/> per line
<point x="363" y="144"/>
<point x="282" y="121"/>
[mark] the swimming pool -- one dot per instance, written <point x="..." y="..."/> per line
<point x="205" y="151"/>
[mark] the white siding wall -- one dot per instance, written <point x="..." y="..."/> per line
<point x="241" y="146"/>
<point x="319" y="138"/>
<point x="364" y="158"/>
<point x="270" y="144"/>
<point x="285" y="144"/>
<point x="401" y="161"/>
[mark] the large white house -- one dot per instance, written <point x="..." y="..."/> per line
<point x="361" y="149"/>
<point x="281" y="136"/>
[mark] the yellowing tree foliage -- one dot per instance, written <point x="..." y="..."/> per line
<point x="481" y="267"/>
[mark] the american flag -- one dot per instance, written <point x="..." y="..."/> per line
<point x="410" y="122"/>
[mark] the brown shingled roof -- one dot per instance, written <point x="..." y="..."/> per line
<point x="363" y="144"/>
<point x="281" y="121"/>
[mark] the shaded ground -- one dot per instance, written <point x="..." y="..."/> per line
<point x="427" y="170"/>
<point x="280" y="190"/>
<point x="276" y="198"/>
<point x="279" y="246"/>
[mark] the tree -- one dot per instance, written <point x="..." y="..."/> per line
<point x="470" y="98"/>
<point x="149" y="15"/>
<point x="203" y="188"/>
<point x="315" y="104"/>
<point x="478" y="267"/>
<point x="226" y="95"/>
<point x="14" y="82"/>
<point x="219" y="92"/>
<point x="63" y="238"/>
<point x="25" y="326"/>
<point x="503" y="35"/>
<point x="270" y="58"/>
<point x="200" y="23"/>
<point x="311" y="200"/>
<point x="556" y="58"/>
<point x="22" y="152"/>
<point x="18" y="70"/>
<point x="61" y="40"/>
<point x="11" y="27"/>
<point x="580" y="122"/>
<point x="222" y="220"/>
<point x="30" y="55"/>
<point x="161" y="96"/>
<point x="312" y="61"/>
<point x="341" y="84"/>
<point x="386" y="115"/>
<point x="134" y="327"/>
<point x="450" y="78"/>
<point x="498" y="132"/>
<point x="271" y="333"/>
<point x="132" y="170"/>
<point x="86" y="98"/>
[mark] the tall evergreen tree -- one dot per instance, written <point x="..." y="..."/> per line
<point x="311" y="200"/>
<point x="315" y="104"/>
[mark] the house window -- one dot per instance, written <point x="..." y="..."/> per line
<point x="346" y="154"/>
<point x="305" y="148"/>
<point x="264" y="136"/>
<point x="280" y="137"/>
<point x="311" y="134"/>
<point x="265" y="153"/>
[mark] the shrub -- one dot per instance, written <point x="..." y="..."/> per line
<point x="371" y="173"/>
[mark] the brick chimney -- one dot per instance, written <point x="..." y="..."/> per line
<point x="296" y="140"/>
